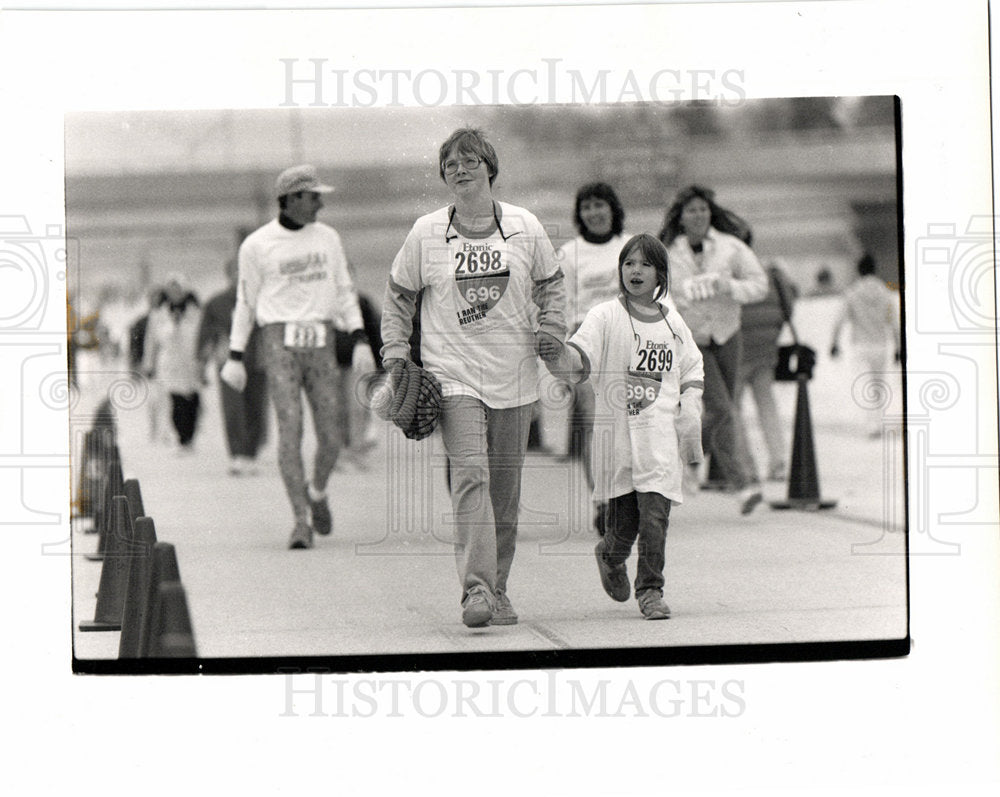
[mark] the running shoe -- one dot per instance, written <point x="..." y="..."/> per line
<point x="613" y="579"/>
<point x="322" y="520"/>
<point x="302" y="537"/>
<point x="748" y="499"/>
<point x="504" y="613"/>
<point x="477" y="609"/>
<point x="652" y="606"/>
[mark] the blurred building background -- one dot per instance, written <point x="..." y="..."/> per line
<point x="156" y="192"/>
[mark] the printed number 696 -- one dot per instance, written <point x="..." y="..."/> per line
<point x="640" y="392"/>
<point x="482" y="294"/>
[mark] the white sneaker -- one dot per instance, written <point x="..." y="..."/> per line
<point x="748" y="499"/>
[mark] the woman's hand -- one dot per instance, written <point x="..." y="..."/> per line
<point x="548" y="346"/>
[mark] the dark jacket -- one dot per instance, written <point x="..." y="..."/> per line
<point x="762" y="322"/>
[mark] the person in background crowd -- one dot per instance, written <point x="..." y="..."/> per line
<point x="714" y="273"/>
<point x="294" y="282"/>
<point x="170" y="356"/>
<point x="871" y="311"/>
<point x="359" y="367"/>
<point x="762" y="324"/>
<point x="244" y="414"/>
<point x="590" y="265"/>
<point x="83" y="334"/>
<point x="480" y="265"/>
<point x="155" y="401"/>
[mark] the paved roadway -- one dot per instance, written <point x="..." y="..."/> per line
<point x="385" y="582"/>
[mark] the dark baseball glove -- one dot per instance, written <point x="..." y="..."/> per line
<point x="416" y="401"/>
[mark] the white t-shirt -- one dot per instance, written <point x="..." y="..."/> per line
<point x="717" y="318"/>
<point x="871" y="310"/>
<point x="478" y="318"/>
<point x="638" y="360"/>
<point x="591" y="272"/>
<point x="293" y="275"/>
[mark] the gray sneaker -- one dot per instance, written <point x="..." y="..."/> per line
<point x="652" y="606"/>
<point x="504" y="613"/>
<point x="477" y="608"/>
<point x="302" y="536"/>
<point x="613" y="579"/>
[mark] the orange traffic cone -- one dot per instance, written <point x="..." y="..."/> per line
<point x="803" y="478"/>
<point x="114" y="572"/>
<point x="164" y="568"/>
<point x="137" y="587"/>
<point x="171" y="635"/>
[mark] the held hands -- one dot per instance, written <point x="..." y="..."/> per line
<point x="234" y="374"/>
<point x="548" y="347"/>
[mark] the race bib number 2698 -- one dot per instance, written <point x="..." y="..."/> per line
<point x="481" y="277"/>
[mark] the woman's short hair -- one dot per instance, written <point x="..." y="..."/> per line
<point x="654" y="253"/>
<point x="470" y="141"/>
<point x="606" y="193"/>
<point x="722" y="219"/>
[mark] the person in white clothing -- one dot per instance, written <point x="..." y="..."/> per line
<point x="170" y="356"/>
<point x="649" y="380"/>
<point x="590" y="265"/>
<point x="871" y="311"/>
<point x="294" y="282"/>
<point x="492" y="302"/>
<point x="714" y="273"/>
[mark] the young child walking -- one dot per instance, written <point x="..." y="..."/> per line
<point x="648" y="379"/>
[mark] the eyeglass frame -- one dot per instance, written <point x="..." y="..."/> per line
<point x="463" y="160"/>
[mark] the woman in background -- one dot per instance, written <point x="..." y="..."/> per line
<point x="171" y="358"/>
<point x="714" y="273"/>
<point x="590" y="266"/>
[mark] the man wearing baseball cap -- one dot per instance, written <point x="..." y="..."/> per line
<point x="294" y="282"/>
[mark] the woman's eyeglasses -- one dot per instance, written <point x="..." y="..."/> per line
<point x="469" y="162"/>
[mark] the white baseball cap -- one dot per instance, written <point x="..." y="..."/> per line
<point x="300" y="178"/>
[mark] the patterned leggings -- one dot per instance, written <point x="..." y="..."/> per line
<point x="289" y="372"/>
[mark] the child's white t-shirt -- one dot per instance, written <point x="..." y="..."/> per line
<point x="639" y="360"/>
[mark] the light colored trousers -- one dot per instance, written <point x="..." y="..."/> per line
<point x="485" y="449"/>
<point x="760" y="380"/>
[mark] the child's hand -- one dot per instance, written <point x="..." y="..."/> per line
<point x="548" y="347"/>
<point x="689" y="440"/>
<point x="688" y="426"/>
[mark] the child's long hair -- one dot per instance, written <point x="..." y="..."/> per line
<point x="654" y="253"/>
<point x="722" y="219"/>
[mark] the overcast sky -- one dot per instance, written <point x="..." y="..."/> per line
<point x="130" y="141"/>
